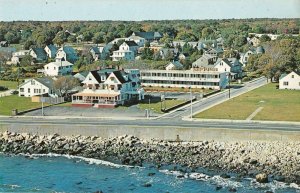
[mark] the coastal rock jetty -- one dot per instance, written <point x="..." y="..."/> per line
<point x="264" y="161"/>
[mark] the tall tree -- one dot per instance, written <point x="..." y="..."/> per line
<point x="65" y="84"/>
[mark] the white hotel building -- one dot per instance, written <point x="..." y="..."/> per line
<point x="208" y="78"/>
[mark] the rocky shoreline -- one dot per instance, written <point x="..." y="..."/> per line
<point x="266" y="161"/>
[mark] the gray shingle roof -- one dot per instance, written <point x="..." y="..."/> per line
<point x="149" y="35"/>
<point x="40" y="52"/>
<point x="52" y="48"/>
<point x="131" y="43"/>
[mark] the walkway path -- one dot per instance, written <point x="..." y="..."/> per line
<point x="254" y="113"/>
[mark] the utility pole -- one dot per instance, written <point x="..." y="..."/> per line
<point x="149" y="108"/>
<point x="229" y="84"/>
<point x="191" y="103"/>
<point x="42" y="99"/>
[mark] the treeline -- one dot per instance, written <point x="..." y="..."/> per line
<point x="281" y="56"/>
<point x="234" y="32"/>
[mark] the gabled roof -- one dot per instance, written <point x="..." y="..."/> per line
<point x="285" y="74"/>
<point x="148" y="35"/>
<point x="68" y="50"/>
<point x="131" y="43"/>
<point x="227" y="62"/>
<point x="95" y="49"/>
<point x="96" y="75"/>
<point x="46" y="81"/>
<point x="282" y="76"/>
<point x="177" y="64"/>
<point x="40" y="52"/>
<point x="84" y="73"/>
<point x="60" y="63"/>
<point x="52" y="48"/>
<point x="119" y="76"/>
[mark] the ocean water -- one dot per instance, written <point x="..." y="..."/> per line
<point x="55" y="173"/>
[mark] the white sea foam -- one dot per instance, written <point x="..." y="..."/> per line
<point x="88" y="160"/>
<point x="203" y="177"/>
<point x="274" y="185"/>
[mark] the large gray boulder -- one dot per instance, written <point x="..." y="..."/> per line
<point x="262" y="178"/>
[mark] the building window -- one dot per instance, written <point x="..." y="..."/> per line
<point x="292" y="76"/>
<point x="285" y="83"/>
<point x="28" y="90"/>
<point x="22" y="89"/>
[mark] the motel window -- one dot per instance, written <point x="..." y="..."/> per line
<point x="285" y="83"/>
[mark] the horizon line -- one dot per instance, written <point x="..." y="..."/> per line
<point x="149" y="19"/>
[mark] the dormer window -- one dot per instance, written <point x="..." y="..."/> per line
<point x="102" y="78"/>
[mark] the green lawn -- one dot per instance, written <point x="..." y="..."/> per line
<point x="278" y="105"/>
<point x="9" y="84"/>
<point x="156" y="106"/>
<point x="15" y="102"/>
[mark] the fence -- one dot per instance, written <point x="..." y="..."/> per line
<point x="49" y="100"/>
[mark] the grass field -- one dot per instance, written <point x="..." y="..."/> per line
<point x="156" y="106"/>
<point x="9" y="84"/>
<point x="8" y="103"/>
<point x="278" y="105"/>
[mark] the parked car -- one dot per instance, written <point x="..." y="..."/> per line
<point x="14" y="92"/>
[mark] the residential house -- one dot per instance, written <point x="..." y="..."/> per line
<point x="138" y="40"/>
<point x="215" y="51"/>
<point x="38" y="54"/>
<point x="37" y="86"/>
<point x="7" y="52"/>
<point x="254" y="41"/>
<point x="122" y="55"/>
<point x="129" y="45"/>
<point x="208" y="78"/>
<point x="244" y="57"/>
<point x="290" y="81"/>
<point x="174" y="65"/>
<point x="126" y="51"/>
<point x="81" y="75"/>
<point x="51" y="51"/>
<point x="148" y="36"/>
<point x="168" y="53"/>
<point x="96" y="53"/>
<point x="3" y="44"/>
<point x="58" y="68"/>
<point x="18" y="56"/>
<point x="107" y="88"/>
<point x="67" y="53"/>
<point x="231" y="65"/>
<point x="206" y="60"/>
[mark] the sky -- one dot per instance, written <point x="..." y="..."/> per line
<point x="63" y="10"/>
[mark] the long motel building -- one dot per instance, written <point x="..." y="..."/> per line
<point x="207" y="78"/>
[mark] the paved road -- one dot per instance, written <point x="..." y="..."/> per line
<point x="206" y="103"/>
<point x="151" y="123"/>
<point x="6" y="93"/>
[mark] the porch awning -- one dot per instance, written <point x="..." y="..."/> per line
<point x="96" y="94"/>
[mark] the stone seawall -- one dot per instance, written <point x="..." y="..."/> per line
<point x="162" y="133"/>
<point x="266" y="161"/>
